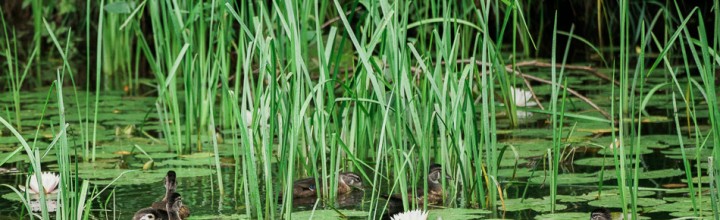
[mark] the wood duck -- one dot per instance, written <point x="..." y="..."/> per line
<point x="171" y="211"/>
<point x="600" y="214"/>
<point x="435" y="190"/>
<point x="304" y="188"/>
<point x="167" y="206"/>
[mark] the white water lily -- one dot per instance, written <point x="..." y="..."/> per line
<point x="413" y="214"/>
<point x="50" y="182"/>
<point x="522" y="97"/>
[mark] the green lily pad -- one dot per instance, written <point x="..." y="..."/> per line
<point x="519" y="173"/>
<point x="327" y="214"/>
<point x="538" y="205"/>
<point x="608" y="151"/>
<point x="220" y="217"/>
<point x="570" y="179"/>
<point x="690" y="152"/>
<point x="651" y="119"/>
<point x="614" y="202"/>
<point x="572" y="198"/>
<point x="457" y="213"/>
<point x="695" y="180"/>
<point x="682" y="204"/>
<point x="533" y="133"/>
<point x="616" y="193"/>
<point x="12" y="196"/>
<point x="563" y="216"/>
<point x="655" y="174"/>
<point x="137" y="177"/>
<point x="707" y="214"/>
<point x="199" y="155"/>
<point x="157" y="156"/>
<point x="599" y="161"/>
<point x="187" y="162"/>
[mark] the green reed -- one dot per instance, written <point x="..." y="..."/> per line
<point x="384" y="91"/>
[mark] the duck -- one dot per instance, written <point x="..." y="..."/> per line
<point x="435" y="191"/>
<point x="306" y="188"/>
<point x="171" y="211"/>
<point x="166" y="206"/>
<point x="600" y="214"/>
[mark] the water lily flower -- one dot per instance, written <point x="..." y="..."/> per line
<point x="417" y="214"/>
<point x="50" y="182"/>
<point x="522" y="98"/>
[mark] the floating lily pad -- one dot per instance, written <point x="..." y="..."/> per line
<point x="219" y="217"/>
<point x="187" y="162"/>
<point x="608" y="151"/>
<point x="538" y="205"/>
<point x="665" y="173"/>
<point x="595" y="127"/>
<point x="707" y="214"/>
<point x="143" y="177"/>
<point x="533" y="133"/>
<point x="614" y="202"/>
<point x="511" y="162"/>
<point x="572" y="198"/>
<point x="599" y="161"/>
<point x="519" y="173"/>
<point x="198" y="155"/>
<point x="457" y="213"/>
<point x="563" y="216"/>
<point x="157" y="156"/>
<point x="12" y="196"/>
<point x="690" y="152"/>
<point x="682" y="204"/>
<point x="695" y="180"/>
<point x="327" y="214"/>
<point x="651" y="119"/>
<point x="570" y="179"/>
<point x="616" y="193"/>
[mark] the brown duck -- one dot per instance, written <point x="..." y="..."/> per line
<point x="304" y="188"/>
<point x="600" y="214"/>
<point x="435" y="190"/>
<point x="170" y="207"/>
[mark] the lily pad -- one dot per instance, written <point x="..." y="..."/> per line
<point x="220" y="217"/>
<point x="156" y="156"/>
<point x="327" y="214"/>
<point x="570" y="179"/>
<point x="519" y="173"/>
<point x="665" y="173"/>
<point x="538" y="205"/>
<point x="457" y="213"/>
<point x="562" y="216"/>
<point x="599" y="161"/>
<point x="608" y="151"/>
<point x="533" y="133"/>
<point x="614" y="202"/>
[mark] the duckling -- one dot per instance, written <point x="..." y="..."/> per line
<point x="167" y="202"/>
<point x="307" y="188"/>
<point x="171" y="212"/>
<point x="435" y="190"/>
<point x="170" y="187"/>
<point x="600" y="214"/>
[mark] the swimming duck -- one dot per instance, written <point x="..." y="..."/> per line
<point x="171" y="211"/>
<point x="307" y="188"/>
<point x="600" y="214"/>
<point x="435" y="190"/>
<point x="166" y="206"/>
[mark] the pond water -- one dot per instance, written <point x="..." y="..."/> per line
<point x="129" y="121"/>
